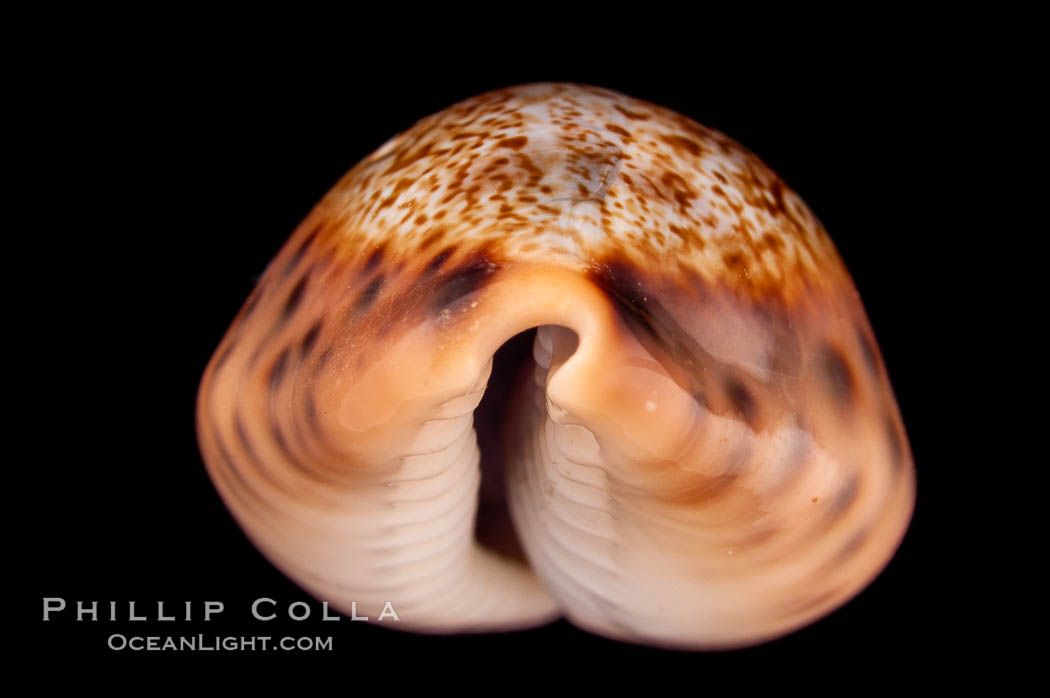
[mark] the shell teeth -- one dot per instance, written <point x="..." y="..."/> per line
<point x="563" y="513"/>
<point x="435" y="434"/>
<point x="543" y="348"/>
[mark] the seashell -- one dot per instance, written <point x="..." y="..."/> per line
<point x="703" y="450"/>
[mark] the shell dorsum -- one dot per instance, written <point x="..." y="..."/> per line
<point x="703" y="451"/>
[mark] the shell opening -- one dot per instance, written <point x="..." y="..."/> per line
<point x="516" y="367"/>
<point x="511" y="364"/>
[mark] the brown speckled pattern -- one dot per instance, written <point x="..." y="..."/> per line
<point x="710" y="455"/>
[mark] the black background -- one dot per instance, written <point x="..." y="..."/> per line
<point x="170" y="181"/>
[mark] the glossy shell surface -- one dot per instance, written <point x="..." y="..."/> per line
<point x="705" y="450"/>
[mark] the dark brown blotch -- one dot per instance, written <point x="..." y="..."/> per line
<point x="310" y="338"/>
<point x="435" y="236"/>
<point x="322" y="361"/>
<point x="622" y="283"/>
<point x="282" y="444"/>
<point x="277" y="371"/>
<point x="636" y="116"/>
<point x="295" y="298"/>
<point x="310" y="410"/>
<point x="837" y="374"/>
<point x="369" y="295"/>
<point x="300" y="251"/>
<point x="244" y="439"/>
<point x="868" y="351"/>
<point x="654" y="327"/>
<point x="461" y="283"/>
<point x="375" y="258"/>
<point x="776" y="189"/>
<point x="249" y="450"/>
<point x="681" y="143"/>
<point x="406" y="157"/>
<point x="513" y="143"/>
<point x="438" y="261"/>
<point x="239" y="487"/>
<point x="737" y="263"/>
<point x="742" y="400"/>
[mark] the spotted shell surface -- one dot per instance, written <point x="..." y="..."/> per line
<point x="704" y="452"/>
